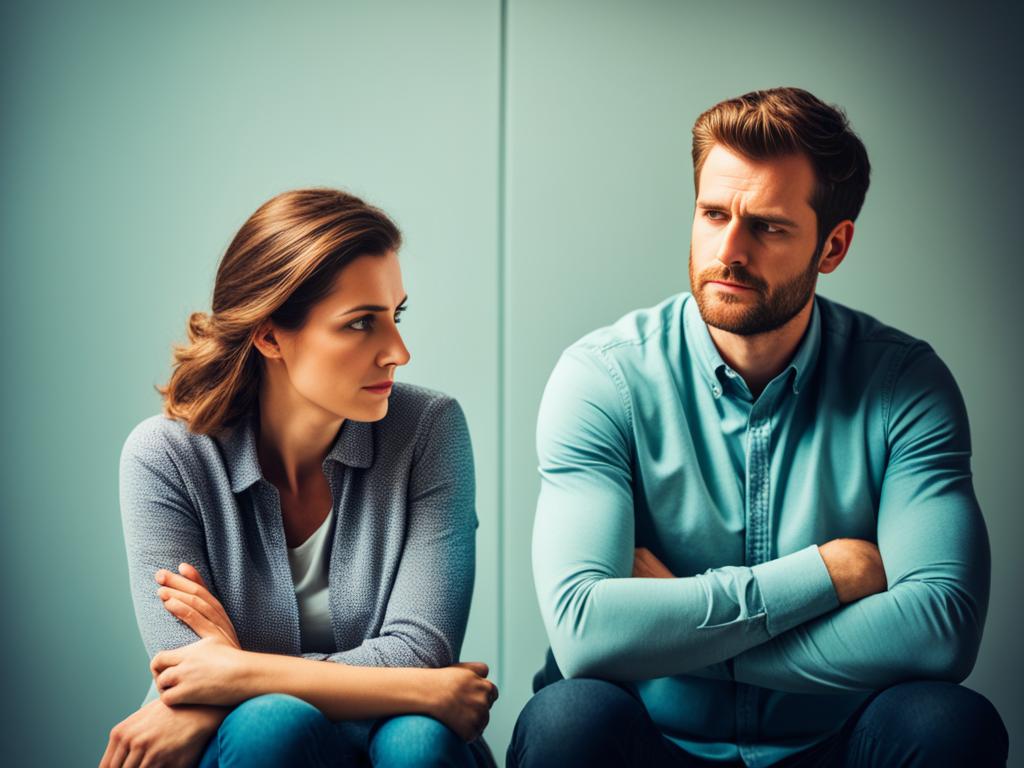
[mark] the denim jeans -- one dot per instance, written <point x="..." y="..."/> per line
<point x="281" y="730"/>
<point x="584" y="722"/>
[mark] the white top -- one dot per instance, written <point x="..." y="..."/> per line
<point x="310" y="563"/>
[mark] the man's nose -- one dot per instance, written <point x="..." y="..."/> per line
<point x="733" y="247"/>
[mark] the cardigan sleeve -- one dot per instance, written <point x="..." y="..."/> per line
<point x="161" y="529"/>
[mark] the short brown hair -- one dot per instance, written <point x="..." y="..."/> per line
<point x="781" y="121"/>
<point x="283" y="260"/>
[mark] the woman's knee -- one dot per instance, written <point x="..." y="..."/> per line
<point x="574" y="722"/>
<point x="274" y="729"/>
<point x="945" y="723"/>
<point x="417" y="740"/>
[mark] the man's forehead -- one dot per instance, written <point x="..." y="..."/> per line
<point x="787" y="180"/>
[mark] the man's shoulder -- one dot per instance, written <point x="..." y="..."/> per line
<point x="845" y="326"/>
<point x="635" y="332"/>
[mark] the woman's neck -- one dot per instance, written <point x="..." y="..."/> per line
<point x="294" y="435"/>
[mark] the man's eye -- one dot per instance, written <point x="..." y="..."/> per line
<point x="713" y="215"/>
<point x="768" y="228"/>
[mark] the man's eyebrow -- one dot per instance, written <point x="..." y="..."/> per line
<point x="371" y="308"/>
<point x="771" y="218"/>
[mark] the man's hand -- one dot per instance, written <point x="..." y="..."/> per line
<point x="208" y="671"/>
<point x="647" y="566"/>
<point x="855" y="567"/>
<point x="186" y="597"/>
<point x="157" y="735"/>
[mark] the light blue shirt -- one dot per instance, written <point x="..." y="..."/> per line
<point x="646" y="438"/>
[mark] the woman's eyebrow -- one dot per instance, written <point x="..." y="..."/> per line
<point x="370" y="308"/>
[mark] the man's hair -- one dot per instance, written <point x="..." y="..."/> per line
<point x="781" y="121"/>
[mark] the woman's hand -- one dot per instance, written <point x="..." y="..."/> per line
<point x="206" y="672"/>
<point x="186" y="597"/>
<point x="463" y="697"/>
<point x="157" y="735"/>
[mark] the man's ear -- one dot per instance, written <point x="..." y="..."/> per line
<point x="265" y="340"/>
<point x="836" y="247"/>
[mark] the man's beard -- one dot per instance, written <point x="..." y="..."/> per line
<point x="771" y="309"/>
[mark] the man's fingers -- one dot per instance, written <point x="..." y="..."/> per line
<point x="647" y="565"/>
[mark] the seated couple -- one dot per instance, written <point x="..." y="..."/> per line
<point x="756" y="543"/>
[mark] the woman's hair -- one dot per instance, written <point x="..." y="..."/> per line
<point x="782" y="121"/>
<point x="283" y="260"/>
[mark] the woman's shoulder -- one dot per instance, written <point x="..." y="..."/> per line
<point x="417" y="411"/>
<point x="159" y="438"/>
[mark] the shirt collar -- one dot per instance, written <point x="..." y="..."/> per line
<point x="353" y="447"/>
<point x="712" y="366"/>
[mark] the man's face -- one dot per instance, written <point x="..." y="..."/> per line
<point x="752" y="260"/>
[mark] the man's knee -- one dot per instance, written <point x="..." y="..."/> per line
<point x="573" y="722"/>
<point x="943" y="723"/>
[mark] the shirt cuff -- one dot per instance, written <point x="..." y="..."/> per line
<point x="795" y="588"/>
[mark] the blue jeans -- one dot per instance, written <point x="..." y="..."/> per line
<point x="584" y="722"/>
<point x="281" y="730"/>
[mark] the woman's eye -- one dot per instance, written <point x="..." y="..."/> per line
<point x="364" y="323"/>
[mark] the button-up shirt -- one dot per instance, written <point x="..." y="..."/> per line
<point x="647" y="438"/>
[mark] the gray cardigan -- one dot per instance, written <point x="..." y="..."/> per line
<point x="403" y="545"/>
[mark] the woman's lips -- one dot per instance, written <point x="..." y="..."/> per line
<point x="380" y="388"/>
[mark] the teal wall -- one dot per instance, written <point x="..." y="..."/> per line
<point x="536" y="155"/>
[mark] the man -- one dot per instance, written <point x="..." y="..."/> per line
<point x="757" y="540"/>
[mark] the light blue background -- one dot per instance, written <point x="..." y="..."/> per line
<point x="536" y="156"/>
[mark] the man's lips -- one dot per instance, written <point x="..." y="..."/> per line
<point x="734" y="286"/>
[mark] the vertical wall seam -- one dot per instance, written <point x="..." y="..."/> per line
<point x="503" y="341"/>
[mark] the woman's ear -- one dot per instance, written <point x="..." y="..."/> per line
<point x="264" y="338"/>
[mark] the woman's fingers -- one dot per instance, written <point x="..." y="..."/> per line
<point x="167" y="679"/>
<point x="478" y="667"/>
<point x="201" y="625"/>
<point x="194" y="602"/>
<point x="168" y="578"/>
<point x="195" y="595"/>
<point x="163" y="660"/>
<point x="115" y="754"/>
<point x="189" y="572"/>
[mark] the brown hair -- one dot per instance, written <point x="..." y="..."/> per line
<point x="283" y="260"/>
<point x="781" y="121"/>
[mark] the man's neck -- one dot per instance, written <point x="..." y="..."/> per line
<point x="760" y="358"/>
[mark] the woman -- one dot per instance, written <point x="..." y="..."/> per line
<point x="320" y="518"/>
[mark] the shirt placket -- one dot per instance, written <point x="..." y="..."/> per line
<point x="757" y="550"/>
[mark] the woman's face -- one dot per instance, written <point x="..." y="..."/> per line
<point x="342" y="361"/>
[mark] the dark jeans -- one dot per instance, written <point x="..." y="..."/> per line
<point x="584" y="722"/>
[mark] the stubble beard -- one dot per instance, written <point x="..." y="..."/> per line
<point x="770" y="308"/>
